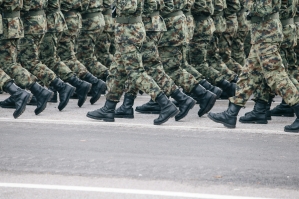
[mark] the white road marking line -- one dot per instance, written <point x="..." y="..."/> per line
<point x="138" y="125"/>
<point x="123" y="191"/>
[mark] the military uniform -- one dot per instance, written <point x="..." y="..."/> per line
<point x="226" y="38"/>
<point x="92" y="26"/>
<point x="105" y="48"/>
<point x="264" y="62"/>
<point x="237" y="47"/>
<point x="4" y="79"/>
<point x="11" y="29"/>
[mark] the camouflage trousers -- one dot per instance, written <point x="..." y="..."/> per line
<point x="9" y="64"/>
<point x="66" y="45"/>
<point x="4" y="79"/>
<point x="105" y="48"/>
<point x="288" y="59"/>
<point x="171" y="52"/>
<point x="28" y="56"/>
<point x="237" y="48"/>
<point x="287" y="50"/>
<point x="203" y="32"/>
<point x="48" y="55"/>
<point x="85" y="54"/>
<point x="126" y="72"/>
<point x="152" y="62"/>
<point x="264" y="64"/>
<point x="225" y="43"/>
<point x="187" y="58"/>
<point x="215" y="61"/>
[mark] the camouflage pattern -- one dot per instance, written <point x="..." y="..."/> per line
<point x="48" y="47"/>
<point x="4" y="79"/>
<point x="171" y="52"/>
<point x="92" y="26"/>
<point x="66" y="43"/>
<point x="126" y="71"/>
<point x="11" y="30"/>
<point x="238" y="53"/>
<point x="287" y="10"/>
<point x="105" y="47"/>
<point x="247" y="42"/>
<point x="264" y="61"/>
<point x="155" y="27"/>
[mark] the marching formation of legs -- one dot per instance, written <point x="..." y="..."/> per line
<point x="192" y="51"/>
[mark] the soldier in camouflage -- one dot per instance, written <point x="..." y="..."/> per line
<point x="48" y="51"/>
<point x="154" y="26"/>
<point x="264" y="63"/>
<point x="11" y="30"/>
<point x="66" y="48"/>
<point x="126" y="71"/>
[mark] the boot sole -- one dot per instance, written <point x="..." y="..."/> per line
<point x="254" y="122"/>
<point x="148" y="112"/>
<point x="103" y="88"/>
<point x="23" y="108"/>
<point x="186" y="112"/>
<point x="225" y="124"/>
<point x="208" y="107"/>
<point x="283" y="115"/>
<point x="10" y="107"/>
<point x="43" y="107"/>
<point x="124" y="116"/>
<point x="85" y="96"/>
<point x="166" y="119"/>
<point x="67" y="101"/>
<point x="291" y="131"/>
<point x="98" y="118"/>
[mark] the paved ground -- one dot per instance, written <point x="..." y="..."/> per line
<point x="67" y="155"/>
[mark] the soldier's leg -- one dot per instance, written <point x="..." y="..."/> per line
<point x="153" y="66"/>
<point x="250" y="78"/>
<point x="66" y="52"/>
<point x="48" y="55"/>
<point x="170" y="50"/>
<point x="129" y="59"/>
<point x="225" y="43"/>
<point x="28" y="55"/>
<point x="85" y="54"/>
<point x="104" y="48"/>
<point x="238" y="53"/>
<point x="204" y="30"/>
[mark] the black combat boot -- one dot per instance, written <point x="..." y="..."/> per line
<point x="214" y="89"/>
<point x="126" y="109"/>
<point x="228" y="88"/>
<point x="105" y="113"/>
<point x="282" y="110"/>
<point x="65" y="92"/>
<point x="206" y="99"/>
<point x="228" y="118"/>
<point x="150" y="107"/>
<point x="98" y="87"/>
<point x="8" y="103"/>
<point x="82" y="89"/>
<point x="42" y="96"/>
<point x="168" y="109"/>
<point x="185" y="103"/>
<point x="54" y="98"/>
<point x="257" y="115"/>
<point x="20" y="97"/>
<point x="294" y="128"/>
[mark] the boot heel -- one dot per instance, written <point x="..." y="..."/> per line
<point x="108" y="120"/>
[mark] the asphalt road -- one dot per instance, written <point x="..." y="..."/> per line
<point x="132" y="158"/>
